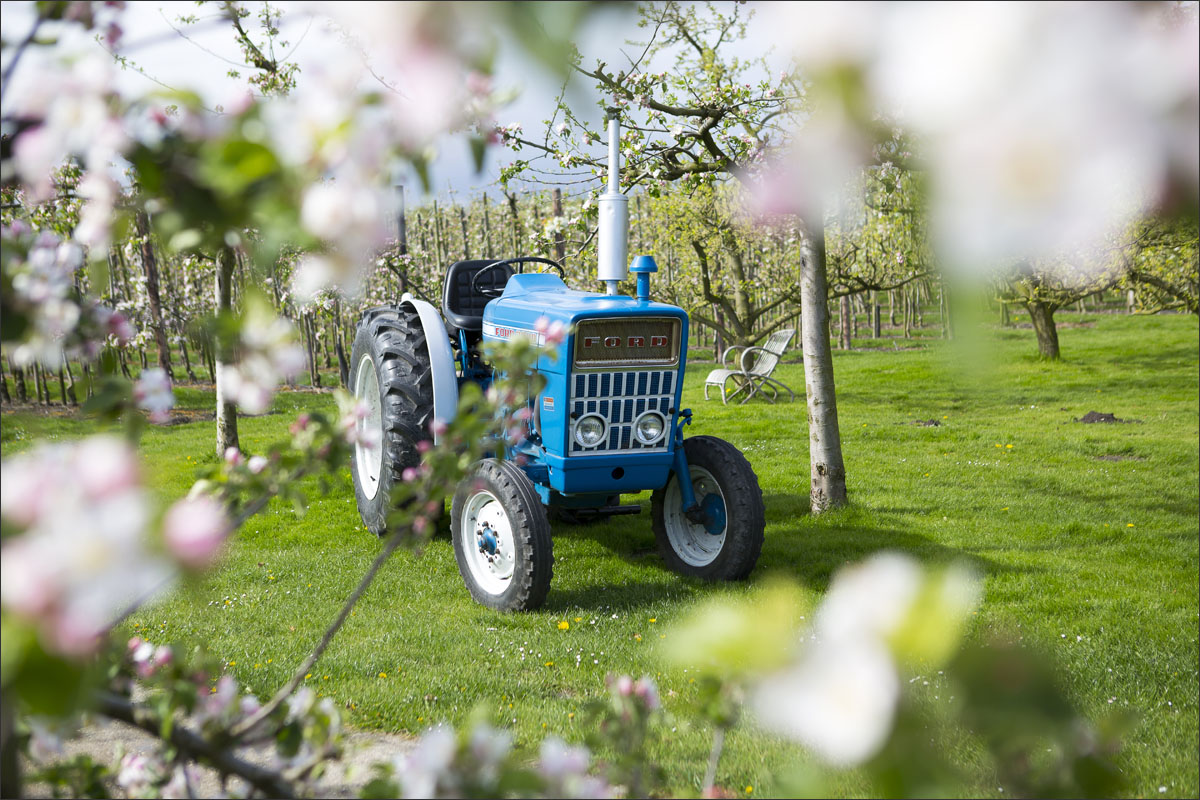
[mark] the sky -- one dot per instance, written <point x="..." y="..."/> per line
<point x="202" y="60"/>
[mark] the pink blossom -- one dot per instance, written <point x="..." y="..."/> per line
<point x="194" y="530"/>
<point x="647" y="692"/>
<point x="479" y="83"/>
<point x="424" y="446"/>
<point x="300" y="424"/>
<point x="153" y="393"/>
<point x="106" y="466"/>
<point x="257" y="464"/>
<point x="408" y="475"/>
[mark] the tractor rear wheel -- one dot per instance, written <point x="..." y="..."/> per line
<point x="501" y="537"/>
<point x="390" y="372"/>
<point x="727" y="548"/>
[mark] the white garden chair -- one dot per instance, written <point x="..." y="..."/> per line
<point x="753" y="372"/>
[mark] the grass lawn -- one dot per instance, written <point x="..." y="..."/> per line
<point x="1086" y="534"/>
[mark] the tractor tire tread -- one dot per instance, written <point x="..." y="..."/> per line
<point x="399" y="350"/>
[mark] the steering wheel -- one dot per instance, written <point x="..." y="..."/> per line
<point x="491" y="291"/>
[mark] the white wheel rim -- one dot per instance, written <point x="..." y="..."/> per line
<point x="491" y="561"/>
<point x="690" y="541"/>
<point x="368" y="461"/>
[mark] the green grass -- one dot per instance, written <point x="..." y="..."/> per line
<point x="1095" y="560"/>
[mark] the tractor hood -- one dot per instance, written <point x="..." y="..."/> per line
<point x="528" y="298"/>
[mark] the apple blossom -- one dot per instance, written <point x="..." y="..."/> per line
<point x="81" y="556"/>
<point x="839" y="701"/>
<point x="152" y="393"/>
<point x="194" y="530"/>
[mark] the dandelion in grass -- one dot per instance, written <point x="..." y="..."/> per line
<point x="564" y="625"/>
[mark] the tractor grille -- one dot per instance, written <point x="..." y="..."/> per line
<point x="620" y="397"/>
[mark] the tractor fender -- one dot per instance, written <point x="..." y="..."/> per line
<point x="441" y="360"/>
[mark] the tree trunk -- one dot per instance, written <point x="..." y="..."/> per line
<point x="150" y="267"/>
<point x="187" y="361"/>
<point x="72" y="397"/>
<point x="844" y="315"/>
<point x="4" y="395"/>
<point x="828" y="471"/>
<point x="19" y="381"/>
<point x="876" y="326"/>
<point x="892" y="308"/>
<point x="1041" y="314"/>
<point x="718" y="339"/>
<point x="227" y="430"/>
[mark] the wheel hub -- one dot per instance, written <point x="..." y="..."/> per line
<point x="699" y="537"/>
<point x="489" y="540"/>
<point x="713" y="506"/>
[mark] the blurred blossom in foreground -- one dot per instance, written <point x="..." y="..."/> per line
<point x="1043" y="126"/>
<point x="81" y="557"/>
<point x="194" y="530"/>
<point x="839" y="697"/>
<point x="269" y="354"/>
<point x="43" y="270"/>
<point x="153" y="394"/>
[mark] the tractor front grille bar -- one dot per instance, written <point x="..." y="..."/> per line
<point x="620" y="398"/>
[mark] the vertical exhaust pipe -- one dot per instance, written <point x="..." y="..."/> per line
<point x="612" y="247"/>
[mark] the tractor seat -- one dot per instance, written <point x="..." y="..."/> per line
<point x="462" y="306"/>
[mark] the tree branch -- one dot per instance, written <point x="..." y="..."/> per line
<point x="269" y="782"/>
<point x="246" y="725"/>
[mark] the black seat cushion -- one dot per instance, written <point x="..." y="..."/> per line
<point x="461" y="304"/>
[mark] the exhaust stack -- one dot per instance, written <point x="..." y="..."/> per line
<point x="612" y="247"/>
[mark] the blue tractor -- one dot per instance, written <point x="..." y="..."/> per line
<point x="607" y="423"/>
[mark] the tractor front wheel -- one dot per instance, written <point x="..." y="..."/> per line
<point x="502" y="537"/>
<point x="727" y="546"/>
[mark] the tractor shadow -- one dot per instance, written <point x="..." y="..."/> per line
<point x="797" y="545"/>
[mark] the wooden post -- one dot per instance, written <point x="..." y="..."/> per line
<point x="438" y="241"/>
<point x="462" y="219"/>
<point x="487" y="229"/>
<point x="560" y="243"/>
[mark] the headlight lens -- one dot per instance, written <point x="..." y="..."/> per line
<point x="590" y="430"/>
<point x="649" y="427"/>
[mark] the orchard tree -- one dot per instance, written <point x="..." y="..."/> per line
<point x="1163" y="267"/>
<point x="879" y="239"/>
<point x="711" y="117"/>
<point x="742" y="275"/>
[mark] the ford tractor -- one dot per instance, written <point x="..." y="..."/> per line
<point x="608" y="421"/>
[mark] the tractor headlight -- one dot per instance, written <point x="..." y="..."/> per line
<point x="590" y="430"/>
<point x="650" y="427"/>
